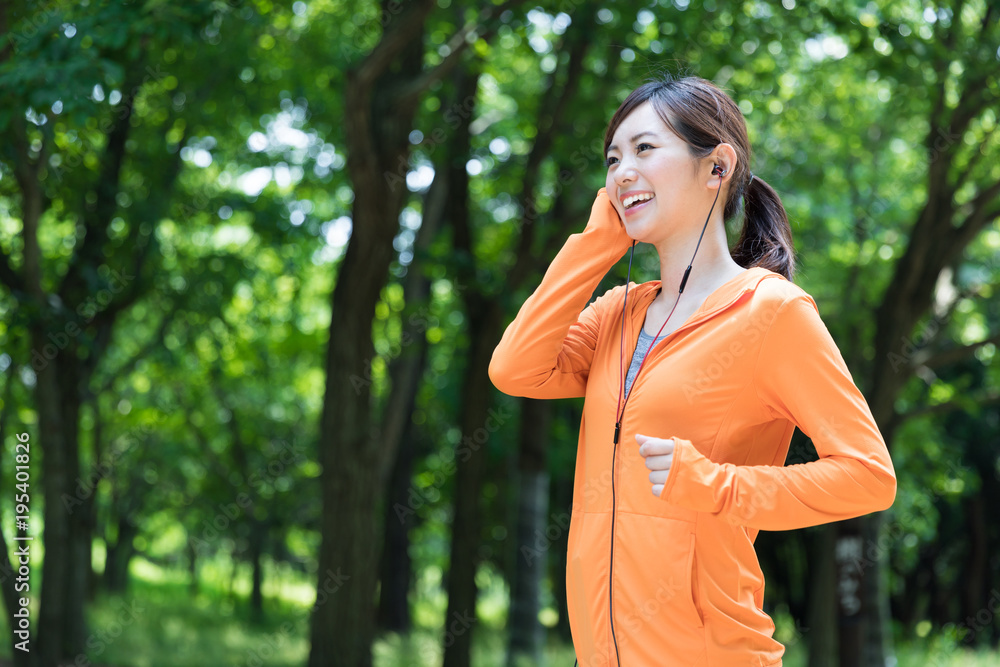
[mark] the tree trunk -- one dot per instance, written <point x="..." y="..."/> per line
<point x="562" y="501"/>
<point x="975" y="591"/>
<point x="89" y="483"/>
<point x="8" y="575"/>
<point x="192" y="555"/>
<point x="256" y="553"/>
<point x="877" y="641"/>
<point x="849" y="550"/>
<point x="822" y="614"/>
<point x="395" y="568"/>
<point x="406" y="372"/>
<point x="343" y="616"/>
<point x="943" y="228"/>
<point x="483" y="320"/>
<point x="61" y="632"/>
<point x="477" y="423"/>
<point x="119" y="555"/>
<point x="380" y="102"/>
<point x="527" y="635"/>
<point x="80" y="520"/>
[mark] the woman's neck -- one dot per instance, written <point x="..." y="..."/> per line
<point x="712" y="267"/>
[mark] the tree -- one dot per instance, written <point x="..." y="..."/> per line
<point x="381" y="92"/>
<point x="91" y="133"/>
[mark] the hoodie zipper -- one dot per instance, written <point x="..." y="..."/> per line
<point x="611" y="566"/>
<point x="614" y="448"/>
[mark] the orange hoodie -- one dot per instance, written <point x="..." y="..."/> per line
<point x="674" y="580"/>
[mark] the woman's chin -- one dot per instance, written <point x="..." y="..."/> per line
<point x="637" y="231"/>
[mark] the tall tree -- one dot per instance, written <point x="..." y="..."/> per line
<point x="962" y="198"/>
<point x="381" y="92"/>
<point x="91" y="131"/>
<point x="538" y="235"/>
<point x="526" y="639"/>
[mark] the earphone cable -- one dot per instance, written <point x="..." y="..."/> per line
<point x="620" y="408"/>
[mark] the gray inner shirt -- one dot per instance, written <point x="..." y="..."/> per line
<point x="645" y="342"/>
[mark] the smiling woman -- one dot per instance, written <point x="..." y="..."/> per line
<point x="727" y="357"/>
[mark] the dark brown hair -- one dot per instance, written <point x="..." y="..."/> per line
<point x="703" y="116"/>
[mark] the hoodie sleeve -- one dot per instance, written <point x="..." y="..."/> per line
<point x="800" y="377"/>
<point x="547" y="350"/>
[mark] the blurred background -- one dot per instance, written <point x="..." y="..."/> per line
<point x="255" y="256"/>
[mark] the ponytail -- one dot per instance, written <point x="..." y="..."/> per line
<point x="766" y="238"/>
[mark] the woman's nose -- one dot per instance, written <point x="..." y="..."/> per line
<point x="625" y="173"/>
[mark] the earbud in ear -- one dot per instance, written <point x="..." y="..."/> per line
<point x="718" y="171"/>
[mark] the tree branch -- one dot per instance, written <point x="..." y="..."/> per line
<point x="456" y="46"/>
<point x="949" y="406"/>
<point x="970" y="166"/>
<point x="549" y="118"/>
<point x="977" y="219"/>
<point x="155" y="342"/>
<point x="406" y="93"/>
<point x="218" y="465"/>
<point x="952" y="355"/>
<point x="96" y="218"/>
<point x="8" y="276"/>
<point x="403" y="30"/>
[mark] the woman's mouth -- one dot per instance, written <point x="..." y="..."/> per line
<point x="638" y="206"/>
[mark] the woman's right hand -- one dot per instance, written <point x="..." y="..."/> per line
<point x="606" y="226"/>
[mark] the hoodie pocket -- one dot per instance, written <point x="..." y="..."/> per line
<point x="693" y="587"/>
<point x="654" y="576"/>
<point x="693" y="583"/>
<point x="655" y="584"/>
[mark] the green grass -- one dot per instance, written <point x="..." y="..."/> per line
<point x="159" y="624"/>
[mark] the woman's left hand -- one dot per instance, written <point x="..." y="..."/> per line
<point x="659" y="455"/>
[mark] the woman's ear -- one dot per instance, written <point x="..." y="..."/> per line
<point x="723" y="159"/>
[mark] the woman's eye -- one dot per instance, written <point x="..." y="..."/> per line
<point x="608" y="161"/>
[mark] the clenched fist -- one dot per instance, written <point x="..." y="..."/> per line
<point x="659" y="455"/>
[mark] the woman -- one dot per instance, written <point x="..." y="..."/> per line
<point x="702" y="417"/>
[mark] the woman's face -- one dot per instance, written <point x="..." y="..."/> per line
<point x="646" y="158"/>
